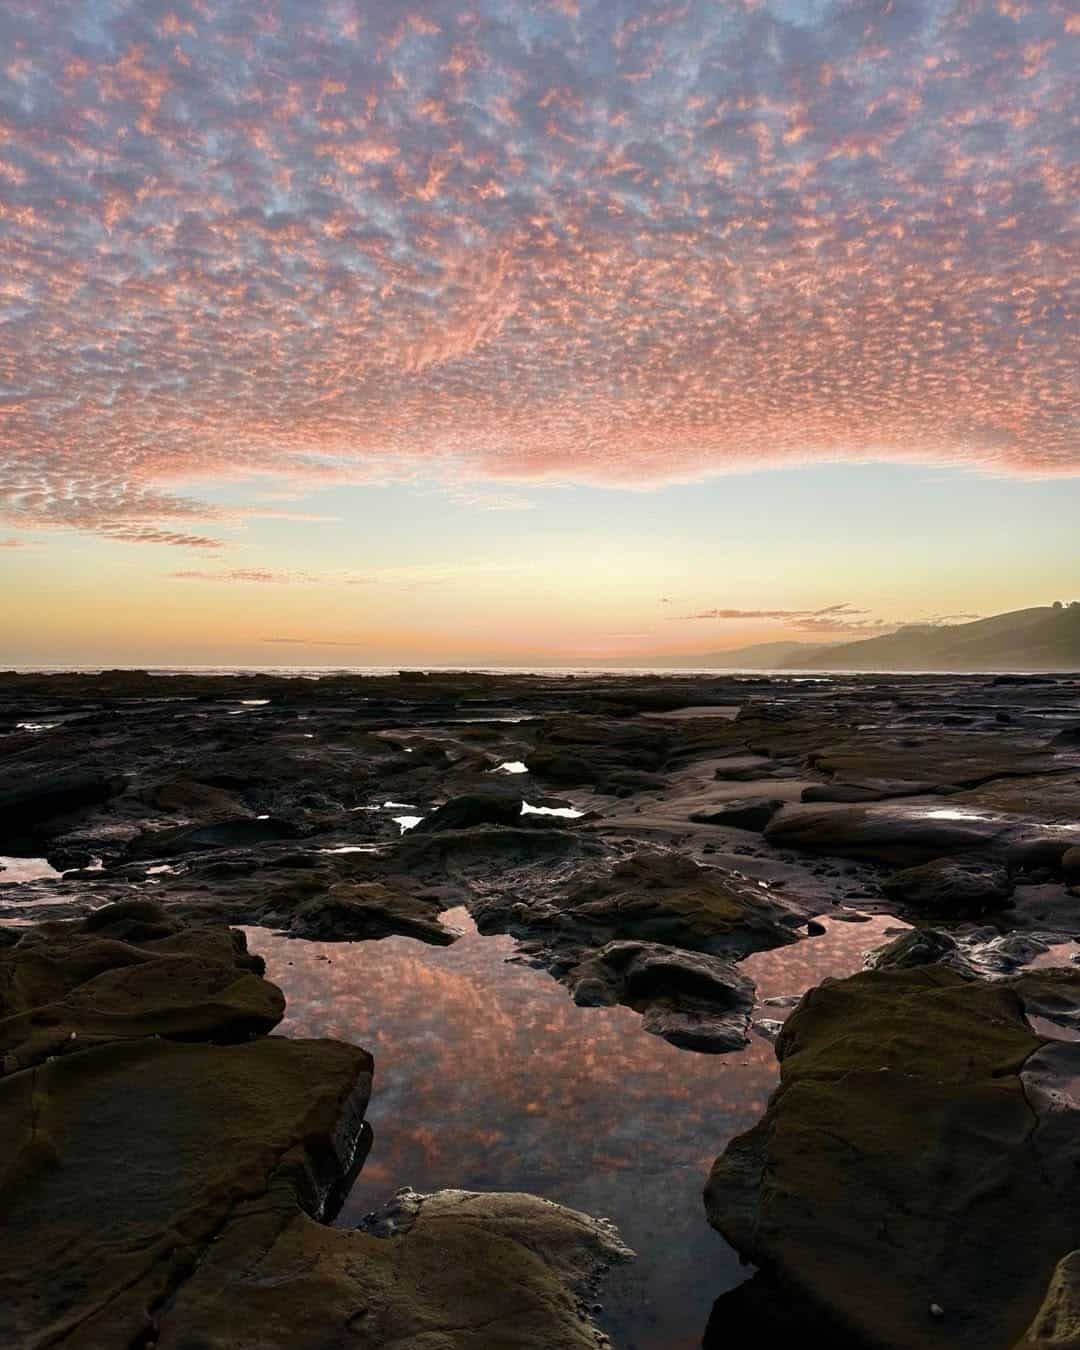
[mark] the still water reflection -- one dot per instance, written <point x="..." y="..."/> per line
<point x="488" y="1077"/>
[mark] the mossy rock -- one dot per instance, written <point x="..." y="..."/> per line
<point x="670" y="899"/>
<point x="462" y="1272"/>
<point x="1057" y="1324"/>
<point x="905" y="1164"/>
<point x="123" y="1164"/>
<point x="125" y="972"/>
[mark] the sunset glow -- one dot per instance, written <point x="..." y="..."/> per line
<point x="464" y="329"/>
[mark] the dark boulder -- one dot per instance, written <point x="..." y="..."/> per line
<point x="665" y="898"/>
<point x="955" y="886"/>
<point x="29" y="800"/>
<point x="921" y="1153"/>
<point x="626" y="782"/>
<point x="350" y="911"/>
<point x="919" y="947"/>
<point x="578" y="750"/>
<point x="746" y="813"/>
<point x="694" y="1001"/>
<point x="240" y="833"/>
<point x="187" y="797"/>
<point x="491" y="807"/>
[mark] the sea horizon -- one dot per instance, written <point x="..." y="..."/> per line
<point x="805" y="674"/>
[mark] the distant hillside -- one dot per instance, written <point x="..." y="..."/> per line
<point x="1027" y="639"/>
<point x="758" y="656"/>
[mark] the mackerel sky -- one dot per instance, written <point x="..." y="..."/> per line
<point x="268" y="267"/>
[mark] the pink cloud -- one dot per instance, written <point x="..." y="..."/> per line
<point x="312" y="642"/>
<point x="267" y="576"/>
<point x="138" y="534"/>
<point x="832" y="619"/>
<point x="526" y="243"/>
<point x="823" y="616"/>
<point x="236" y="574"/>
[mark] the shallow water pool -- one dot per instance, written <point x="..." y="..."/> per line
<point x="488" y="1077"/>
<point x="18" y="871"/>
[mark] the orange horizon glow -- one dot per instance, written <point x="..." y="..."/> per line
<point x="261" y="259"/>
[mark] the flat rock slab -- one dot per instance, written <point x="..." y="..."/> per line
<point x="1044" y="800"/>
<point x="450" y="1271"/>
<point x="883" y="833"/>
<point x="127" y="972"/>
<point x="922" y="1151"/>
<point x="946" y="759"/>
<point x="123" y="1164"/>
<point x="877" y="790"/>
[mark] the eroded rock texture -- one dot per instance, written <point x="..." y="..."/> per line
<point x="916" y="1178"/>
<point x="168" y="1170"/>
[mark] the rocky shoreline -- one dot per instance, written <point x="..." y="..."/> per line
<point x="639" y="838"/>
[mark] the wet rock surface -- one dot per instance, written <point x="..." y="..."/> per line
<point x="141" y="1108"/>
<point x="654" y="931"/>
<point x="686" y="823"/>
<point x="888" y="834"/>
<point x="916" y="1170"/>
<point x="752" y="813"/>
<point x="951" y="886"/>
<point x="694" y="1001"/>
<point x="451" y="1269"/>
<point x="126" y="973"/>
<point x="349" y="911"/>
<point x="919" y="947"/>
<point x="356" y="807"/>
<point x="164" y="1185"/>
<point x="1057" y="1324"/>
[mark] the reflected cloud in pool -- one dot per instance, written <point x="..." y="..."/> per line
<point x="488" y="1077"/>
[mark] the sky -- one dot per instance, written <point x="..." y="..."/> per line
<point x="358" y="332"/>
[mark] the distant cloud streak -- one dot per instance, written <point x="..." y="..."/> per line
<point x="832" y="619"/>
<point x="787" y="615"/>
<point x="267" y="576"/>
<point x="312" y="642"/>
<point x="487" y="242"/>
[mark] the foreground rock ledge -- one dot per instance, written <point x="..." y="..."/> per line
<point x="124" y="1163"/>
<point x="162" y="1189"/>
<point x="455" y="1270"/>
<point x="916" y="1177"/>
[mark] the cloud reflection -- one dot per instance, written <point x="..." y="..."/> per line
<point x="488" y="1077"/>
